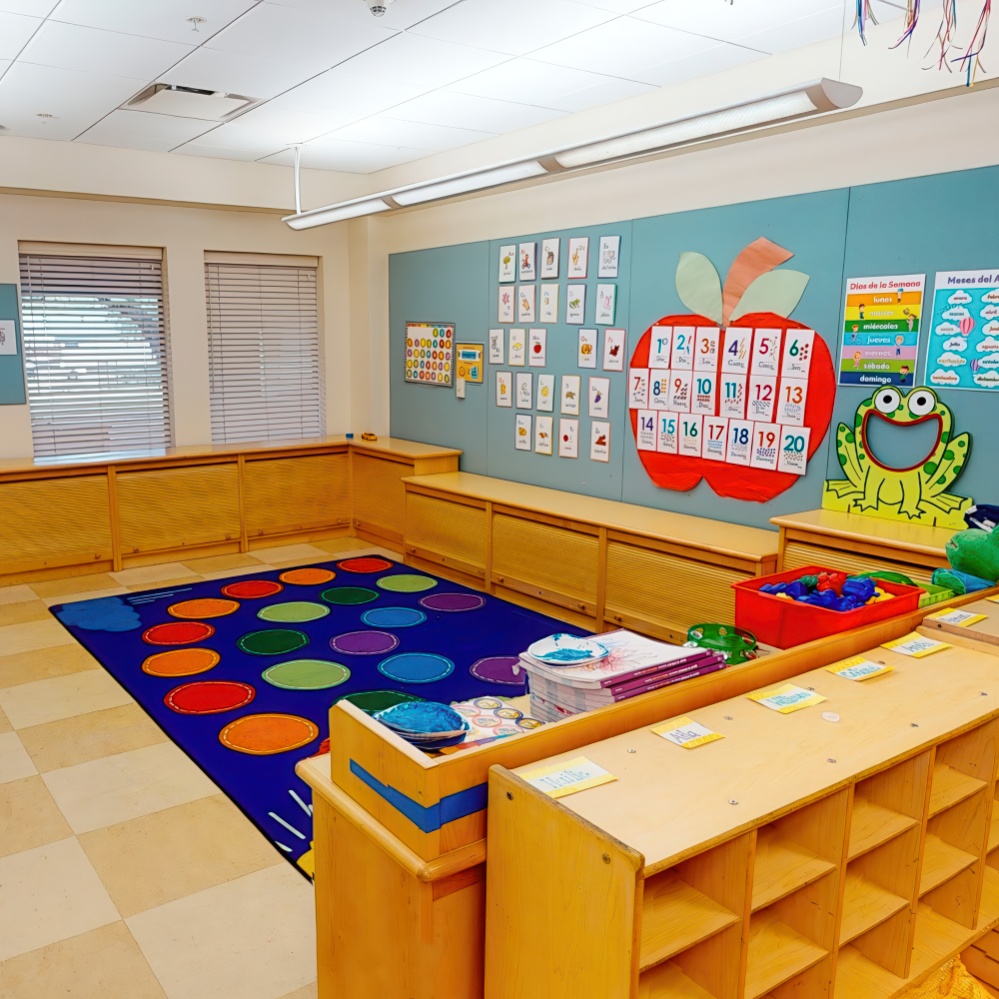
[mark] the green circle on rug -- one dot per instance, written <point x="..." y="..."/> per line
<point x="273" y="642"/>
<point x="371" y="701"/>
<point x="293" y="612"/>
<point x="406" y="583"/>
<point x="347" y="596"/>
<point x="306" y="674"/>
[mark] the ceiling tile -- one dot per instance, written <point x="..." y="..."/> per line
<point x="387" y="131"/>
<point x="603" y="93"/>
<point x="141" y="130"/>
<point x="234" y="73"/>
<point x="443" y="107"/>
<point x="348" y="92"/>
<point x="254" y="142"/>
<point x="618" y="6"/>
<point x="399" y="15"/>
<point x="713" y="60"/>
<point x="283" y="123"/>
<point x="15" y="31"/>
<point x="90" y="50"/>
<point x="520" y="26"/>
<point x="350" y="157"/>
<point x="797" y="33"/>
<point x="35" y="8"/>
<point x="164" y="19"/>
<point x="218" y="152"/>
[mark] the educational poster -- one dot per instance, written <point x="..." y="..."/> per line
<point x="579" y="251"/>
<point x="568" y="438"/>
<point x="508" y="264"/>
<point x="575" y="304"/>
<point x="606" y="300"/>
<point x="881" y="330"/>
<point x="549" y="258"/>
<point x="614" y="350"/>
<point x="469" y="364"/>
<point x="496" y="347"/>
<point x="527" y="258"/>
<point x="645" y="438"/>
<point x="600" y="441"/>
<point x="599" y="397"/>
<point x="8" y="337"/>
<point x="430" y="353"/>
<point x="525" y="390"/>
<point x="505" y="310"/>
<point x="522" y="441"/>
<point x="587" y="349"/>
<point x="964" y="333"/>
<point x="525" y="303"/>
<point x="638" y="388"/>
<point x="570" y="395"/>
<point x="548" y="307"/>
<point x="504" y="389"/>
<point x="518" y="348"/>
<point x="546" y="393"/>
<point x="543" y="435"/>
<point x="610" y="255"/>
<point x="537" y="340"/>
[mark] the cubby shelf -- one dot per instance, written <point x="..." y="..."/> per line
<point x="949" y="787"/>
<point x="994" y="829"/>
<point x="865" y="904"/>
<point x="873" y="824"/>
<point x="783" y="867"/>
<point x="667" y="981"/>
<point x="776" y="953"/>
<point x="676" y="916"/>
<point x="941" y="862"/>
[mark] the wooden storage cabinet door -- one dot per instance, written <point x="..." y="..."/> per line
<point x="292" y="495"/>
<point x="55" y="522"/>
<point x="444" y="531"/>
<point x="174" y="508"/>
<point x="800" y="553"/>
<point x="380" y="496"/>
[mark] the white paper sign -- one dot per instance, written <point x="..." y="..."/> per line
<point x="568" y="438"/>
<point x="766" y="441"/>
<point x="543" y="435"/>
<point x="527" y="258"/>
<point x="496" y="351"/>
<point x="668" y="433"/>
<point x="536" y="343"/>
<point x="715" y="438"/>
<point x="523" y="433"/>
<point x="570" y="395"/>
<point x="707" y="341"/>
<point x="8" y="337"/>
<point x="525" y="390"/>
<point x="576" y="775"/>
<point x="599" y="441"/>
<point x="791" y="398"/>
<point x="660" y="346"/>
<point x="606" y="304"/>
<point x="508" y="263"/>
<point x="610" y="253"/>
<point x="586" y="354"/>
<point x="504" y="388"/>
<point x="736" y="350"/>
<point x="614" y="350"/>
<point x="525" y="303"/>
<point x="638" y="388"/>
<point x="546" y="393"/>
<point x="766" y="352"/>
<point x="659" y="379"/>
<point x="793" y="456"/>
<point x="549" y="258"/>
<point x="732" y="396"/>
<point x="678" y="397"/>
<point x="599" y="396"/>
<point x="762" y="397"/>
<point x="548" y="309"/>
<point x="518" y="348"/>
<point x="704" y="393"/>
<point x="504" y="313"/>
<point x="575" y="304"/>
<point x="690" y="434"/>
<point x="645" y="436"/>
<point x="579" y="251"/>
<point x="740" y="442"/>
<point x="682" y="357"/>
<point x="797" y="356"/>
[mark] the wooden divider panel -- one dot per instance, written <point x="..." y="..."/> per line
<point x="441" y="526"/>
<point x="379" y="495"/>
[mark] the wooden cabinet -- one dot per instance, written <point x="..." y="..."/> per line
<point x="447" y="534"/>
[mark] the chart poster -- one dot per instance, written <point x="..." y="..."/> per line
<point x="430" y="353"/>
<point x="964" y="332"/>
<point x="881" y="330"/>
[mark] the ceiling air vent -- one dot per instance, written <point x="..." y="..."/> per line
<point x="189" y="102"/>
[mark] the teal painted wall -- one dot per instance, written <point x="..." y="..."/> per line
<point x="11" y="365"/>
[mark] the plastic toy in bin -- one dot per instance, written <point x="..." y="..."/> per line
<point x="736" y="644"/>
<point x="832" y="590"/>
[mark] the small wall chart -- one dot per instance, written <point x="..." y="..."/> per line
<point x="964" y="335"/>
<point x="430" y="353"/>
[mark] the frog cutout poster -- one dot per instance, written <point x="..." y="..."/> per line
<point x="918" y="494"/>
<point x="964" y="335"/>
<point x="735" y="392"/>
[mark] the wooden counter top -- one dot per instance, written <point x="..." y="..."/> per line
<point x="876" y="530"/>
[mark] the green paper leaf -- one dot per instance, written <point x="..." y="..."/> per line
<point x="698" y="285"/>
<point x="778" y="292"/>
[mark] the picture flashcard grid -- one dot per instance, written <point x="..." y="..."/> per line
<point x="430" y="353"/>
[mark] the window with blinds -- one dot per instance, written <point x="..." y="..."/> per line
<point x="263" y="342"/>
<point x="95" y="351"/>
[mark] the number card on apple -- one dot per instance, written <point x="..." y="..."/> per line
<point x="704" y="393"/>
<point x="736" y="351"/>
<point x="732" y="396"/>
<point x="798" y="349"/>
<point x="706" y="343"/>
<point x="638" y="388"/>
<point x="762" y="393"/>
<point x="645" y="438"/>
<point x="660" y="346"/>
<point x="690" y="434"/>
<point x="668" y="438"/>
<point x="715" y="438"/>
<point x="766" y="438"/>
<point x="740" y="442"/>
<point x="659" y="383"/>
<point x="679" y="391"/>
<point x="793" y="456"/>
<point x="682" y="357"/>
<point x="766" y="352"/>
<point x="791" y="401"/>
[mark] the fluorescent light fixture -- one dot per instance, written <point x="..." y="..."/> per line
<point x="337" y="213"/>
<point x="825" y="95"/>
<point x="469" y="182"/>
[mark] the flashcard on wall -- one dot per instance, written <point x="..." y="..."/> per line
<point x="575" y="304"/>
<point x="762" y="392"/>
<point x="525" y="303"/>
<point x="706" y="343"/>
<point x="537" y="341"/>
<point x="645" y="438"/>
<point x="791" y="398"/>
<point x="690" y="434"/>
<point x="740" y="442"/>
<point x="543" y="434"/>
<point x="736" y="350"/>
<point x="518" y="348"/>
<point x="660" y="346"/>
<point x="610" y="255"/>
<point x="678" y="397"/>
<point x="504" y="388"/>
<point x="797" y="355"/>
<point x="614" y="350"/>
<point x="793" y="455"/>
<point x="766" y="438"/>
<point x="599" y="397"/>
<point x="505" y="312"/>
<point x="586" y="354"/>
<point x="546" y="393"/>
<point x="659" y="379"/>
<point x="606" y="304"/>
<point x="668" y="433"/>
<point x="732" y="396"/>
<point x="548" y="309"/>
<point x="579" y="251"/>
<point x="715" y="438"/>
<point x="549" y="258"/>
<point x="523" y="433"/>
<point x="704" y="393"/>
<point x="525" y="390"/>
<point x="766" y="352"/>
<point x="570" y="395"/>
<point x="682" y="358"/>
<point x="638" y="388"/>
<point x="599" y="441"/>
<point x="528" y="261"/>
<point x="496" y="351"/>
<point x="568" y="438"/>
<point x="508" y="263"/>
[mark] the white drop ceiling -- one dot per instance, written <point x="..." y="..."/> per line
<point x="367" y="93"/>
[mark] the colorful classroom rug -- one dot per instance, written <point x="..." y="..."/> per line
<point x="241" y="672"/>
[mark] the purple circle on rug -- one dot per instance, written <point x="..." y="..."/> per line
<point x="497" y="669"/>
<point x="452" y="603"/>
<point x="364" y="643"/>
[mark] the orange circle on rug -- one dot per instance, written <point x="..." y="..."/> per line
<point x="364" y="565"/>
<point x="177" y="633"/>
<point x="203" y="607"/>
<point x="267" y="734"/>
<point x="307" y="576"/>
<point x="209" y="697"/>
<point x="252" y="589"/>
<point x="181" y="662"/>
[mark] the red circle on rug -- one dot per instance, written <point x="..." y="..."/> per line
<point x="209" y="697"/>
<point x="252" y="589"/>
<point x="364" y="565"/>
<point x="178" y="633"/>
<point x="269" y="733"/>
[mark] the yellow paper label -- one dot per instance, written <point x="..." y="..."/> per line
<point x="574" y="775"/>
<point x="956" y="616"/>
<point x="915" y="645"/>
<point x="786" y="698"/>
<point x="858" y="668"/>
<point x="994" y="600"/>
<point x="686" y="732"/>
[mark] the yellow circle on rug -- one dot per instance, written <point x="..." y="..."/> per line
<point x="267" y="734"/>
<point x="203" y="607"/>
<point x="181" y="662"/>
<point x="307" y="576"/>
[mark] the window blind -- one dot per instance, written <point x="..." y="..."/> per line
<point x="95" y="351"/>
<point x="263" y="339"/>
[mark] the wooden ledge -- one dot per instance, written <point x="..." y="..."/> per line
<point x="860" y="527"/>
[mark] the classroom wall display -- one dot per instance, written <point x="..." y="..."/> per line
<point x="610" y="252"/>
<point x="508" y="264"/>
<point x="11" y="363"/>
<point x="963" y="348"/>
<point x="430" y="353"/>
<point x="469" y="364"/>
<point x="549" y="258"/>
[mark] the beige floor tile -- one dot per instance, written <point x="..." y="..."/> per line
<point x="157" y="858"/>
<point x="61" y="697"/>
<point x="42" y="664"/>
<point x="22" y="611"/>
<point x="306" y="992"/>
<point x="15" y="594"/>
<point x="15" y="762"/>
<point x="105" y="962"/>
<point x="5" y="725"/>
<point x="117" y="788"/>
<point x="74" y="584"/>
<point x="28" y="818"/>
<point x="150" y="575"/>
<point x="335" y="545"/>
<point x="217" y="563"/>
<point x="69" y="741"/>
<point x="33" y="635"/>
<point x="244" y="570"/>
<point x="180" y="583"/>
<point x="292" y="563"/>
<point x="252" y="938"/>
<point x="76" y="596"/>
<point x="285" y="552"/>
<point x="47" y="894"/>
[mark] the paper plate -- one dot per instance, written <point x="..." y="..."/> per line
<point x="567" y="650"/>
<point x="425" y="720"/>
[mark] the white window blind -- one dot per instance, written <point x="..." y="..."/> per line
<point x="95" y="350"/>
<point x="263" y="339"/>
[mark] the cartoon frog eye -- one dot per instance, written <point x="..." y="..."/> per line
<point x="922" y="402"/>
<point x="887" y="401"/>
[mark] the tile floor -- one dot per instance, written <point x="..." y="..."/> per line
<point x="124" y="872"/>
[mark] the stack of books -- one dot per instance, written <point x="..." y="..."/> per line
<point x="621" y="665"/>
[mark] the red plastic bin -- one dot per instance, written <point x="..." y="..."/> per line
<point x="783" y="623"/>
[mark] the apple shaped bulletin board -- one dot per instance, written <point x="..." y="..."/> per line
<point x="734" y="392"/>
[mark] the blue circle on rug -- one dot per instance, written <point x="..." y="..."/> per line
<point x="416" y="667"/>
<point x="393" y="617"/>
